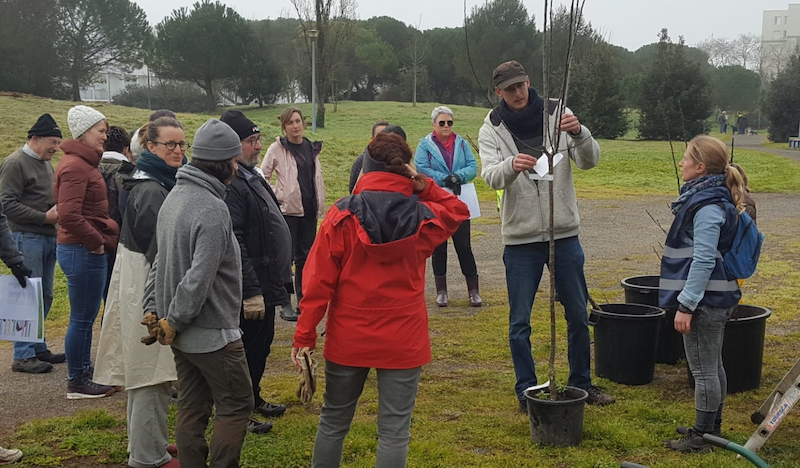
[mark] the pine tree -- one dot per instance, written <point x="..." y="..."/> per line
<point x="783" y="103"/>
<point x="596" y="96"/>
<point x="675" y="97"/>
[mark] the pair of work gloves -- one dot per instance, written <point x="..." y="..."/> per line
<point x="453" y="182"/>
<point x="161" y="331"/>
<point x="157" y="330"/>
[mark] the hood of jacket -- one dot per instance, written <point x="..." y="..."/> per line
<point x="189" y="174"/>
<point x="76" y="148"/>
<point x="389" y="215"/>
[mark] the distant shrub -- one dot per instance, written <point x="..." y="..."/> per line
<point x="174" y="95"/>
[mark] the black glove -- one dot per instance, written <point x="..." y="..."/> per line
<point x="453" y="183"/>
<point x="289" y="287"/>
<point x="21" y="273"/>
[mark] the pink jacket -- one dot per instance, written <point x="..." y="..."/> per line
<point x="287" y="189"/>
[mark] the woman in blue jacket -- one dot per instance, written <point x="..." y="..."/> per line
<point x="694" y="280"/>
<point x="447" y="159"/>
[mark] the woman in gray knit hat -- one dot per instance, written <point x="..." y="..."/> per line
<point x="193" y="297"/>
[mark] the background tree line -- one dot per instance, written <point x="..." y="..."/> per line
<point x="210" y="54"/>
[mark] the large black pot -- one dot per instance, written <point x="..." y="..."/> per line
<point x="625" y="342"/>
<point x="743" y="348"/>
<point x="556" y="422"/>
<point x="644" y="290"/>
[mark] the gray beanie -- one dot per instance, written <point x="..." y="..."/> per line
<point x="216" y="141"/>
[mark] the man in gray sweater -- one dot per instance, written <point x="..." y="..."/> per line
<point x="26" y="193"/>
<point x="193" y="296"/>
<point x="511" y="140"/>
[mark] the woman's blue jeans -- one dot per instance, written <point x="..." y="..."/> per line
<point x="86" y="280"/>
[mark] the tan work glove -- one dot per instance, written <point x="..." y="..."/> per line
<point x="166" y="334"/>
<point x="151" y="322"/>
<point x="254" y="308"/>
<point x="308" y="375"/>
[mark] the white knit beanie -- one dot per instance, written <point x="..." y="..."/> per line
<point x="82" y="118"/>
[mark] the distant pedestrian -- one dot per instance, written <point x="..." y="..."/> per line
<point x="85" y="235"/>
<point x="723" y="122"/>
<point x="26" y="193"/>
<point x="193" y="297"/>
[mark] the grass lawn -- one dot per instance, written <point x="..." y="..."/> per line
<point x="465" y="413"/>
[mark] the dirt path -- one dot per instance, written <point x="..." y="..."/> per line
<point x="618" y="238"/>
<point x="754" y="142"/>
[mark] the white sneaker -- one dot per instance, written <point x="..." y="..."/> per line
<point x="8" y="456"/>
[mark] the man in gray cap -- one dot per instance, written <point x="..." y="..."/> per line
<point x="266" y="245"/>
<point x="192" y="300"/>
<point x="26" y="192"/>
<point x="511" y="140"/>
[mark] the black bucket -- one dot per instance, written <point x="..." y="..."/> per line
<point x="743" y="348"/>
<point x="644" y="290"/>
<point x="556" y="422"/>
<point x="625" y="342"/>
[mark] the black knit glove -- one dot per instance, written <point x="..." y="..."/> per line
<point x="289" y="287"/>
<point x="453" y="183"/>
<point x="21" y="273"/>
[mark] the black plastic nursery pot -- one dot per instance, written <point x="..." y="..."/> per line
<point x="626" y="341"/>
<point x="556" y="422"/>
<point x="743" y="348"/>
<point x="644" y="290"/>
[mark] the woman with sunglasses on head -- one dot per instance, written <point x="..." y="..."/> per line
<point x="447" y="158"/>
<point x="146" y="372"/>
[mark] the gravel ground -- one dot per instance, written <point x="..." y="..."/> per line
<point x="618" y="238"/>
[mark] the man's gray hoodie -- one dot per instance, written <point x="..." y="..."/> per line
<point x="196" y="278"/>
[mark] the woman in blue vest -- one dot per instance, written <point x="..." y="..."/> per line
<point x="447" y="159"/>
<point x="693" y="278"/>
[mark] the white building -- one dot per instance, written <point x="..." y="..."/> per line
<point x="112" y="82"/>
<point x="780" y="38"/>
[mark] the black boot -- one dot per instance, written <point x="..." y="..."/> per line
<point x="472" y="288"/>
<point x="441" y="291"/>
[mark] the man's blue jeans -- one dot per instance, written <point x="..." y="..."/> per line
<point x="39" y="252"/>
<point x="524" y="265"/>
<point x="86" y="280"/>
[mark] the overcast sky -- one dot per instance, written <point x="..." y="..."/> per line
<point x="628" y="23"/>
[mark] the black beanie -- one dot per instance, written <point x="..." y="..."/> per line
<point x="45" y="127"/>
<point x="240" y="124"/>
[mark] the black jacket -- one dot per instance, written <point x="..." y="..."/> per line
<point x="144" y="199"/>
<point x="258" y="239"/>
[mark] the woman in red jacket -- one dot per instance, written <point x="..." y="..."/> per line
<point x="85" y="233"/>
<point x="367" y="271"/>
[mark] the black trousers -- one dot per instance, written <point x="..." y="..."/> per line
<point x="257" y="336"/>
<point x="303" y="231"/>
<point x="466" y="259"/>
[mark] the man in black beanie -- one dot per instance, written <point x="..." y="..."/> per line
<point x="266" y="246"/>
<point x="26" y="193"/>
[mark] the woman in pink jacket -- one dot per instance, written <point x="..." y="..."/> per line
<point x="298" y="186"/>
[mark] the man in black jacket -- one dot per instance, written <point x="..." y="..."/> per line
<point x="266" y="246"/>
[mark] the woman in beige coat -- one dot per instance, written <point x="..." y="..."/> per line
<point x="298" y="186"/>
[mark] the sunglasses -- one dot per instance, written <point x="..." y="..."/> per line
<point x="442" y="123"/>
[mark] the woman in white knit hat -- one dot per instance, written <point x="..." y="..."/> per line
<point x="85" y="232"/>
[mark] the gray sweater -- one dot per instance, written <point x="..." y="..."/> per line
<point x="525" y="207"/>
<point x="196" y="278"/>
<point x="26" y="192"/>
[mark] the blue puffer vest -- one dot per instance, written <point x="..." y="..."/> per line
<point x="721" y="290"/>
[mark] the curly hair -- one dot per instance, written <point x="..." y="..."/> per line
<point x="392" y="150"/>
<point x="118" y="139"/>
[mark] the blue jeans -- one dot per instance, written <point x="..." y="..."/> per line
<point x="703" y="345"/>
<point x="86" y="280"/>
<point x="39" y="252"/>
<point x="524" y="264"/>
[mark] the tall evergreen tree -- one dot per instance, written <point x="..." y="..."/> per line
<point x="783" y="102"/>
<point x="596" y="95"/>
<point x="675" y="97"/>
